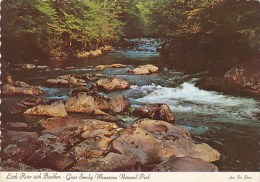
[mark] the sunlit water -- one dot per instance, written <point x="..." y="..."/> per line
<point x="227" y="123"/>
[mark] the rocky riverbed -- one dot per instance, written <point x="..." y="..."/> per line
<point x="64" y="142"/>
<point x="124" y="111"/>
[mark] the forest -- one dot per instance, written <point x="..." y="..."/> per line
<point x="40" y="29"/>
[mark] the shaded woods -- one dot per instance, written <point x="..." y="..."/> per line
<point x="40" y="29"/>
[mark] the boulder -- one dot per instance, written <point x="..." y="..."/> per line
<point x="184" y="147"/>
<point x="55" y="125"/>
<point x="150" y="142"/>
<point x="86" y="137"/>
<point x="119" y="104"/>
<point x="88" y="127"/>
<point x="107" y="48"/>
<point x="101" y="67"/>
<point x="155" y="111"/>
<point x="93" y="103"/>
<point x="246" y="75"/>
<point x="138" y="146"/>
<point x="64" y="138"/>
<point x="111" y="162"/>
<point x="54" y="109"/>
<point x="185" y="164"/>
<point x="95" y="53"/>
<point x="57" y="82"/>
<point x="21" y="89"/>
<point x="112" y="84"/>
<point x="83" y="55"/>
<point x="222" y="85"/>
<point x="145" y="69"/>
<point x="161" y="129"/>
<point x="86" y="77"/>
<point x="87" y="103"/>
<point x="66" y="80"/>
<point x="25" y="104"/>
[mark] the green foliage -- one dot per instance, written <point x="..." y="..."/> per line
<point x="57" y="28"/>
<point x="225" y="23"/>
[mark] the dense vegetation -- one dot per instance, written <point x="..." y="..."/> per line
<point x="56" y="28"/>
<point x="34" y="28"/>
<point x="216" y="27"/>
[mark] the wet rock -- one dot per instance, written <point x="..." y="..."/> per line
<point x="56" y="125"/>
<point x="87" y="127"/>
<point x="93" y="147"/>
<point x="86" y="77"/>
<point x="66" y="80"/>
<point x="150" y="142"/>
<point x="26" y="103"/>
<point x="111" y="162"/>
<point x="185" y="164"/>
<point x="112" y="84"/>
<point x="162" y="129"/>
<point x="184" y="147"/>
<point x="95" y="53"/>
<point x="57" y="82"/>
<point x="93" y="103"/>
<point x="138" y="145"/>
<point x="246" y="75"/>
<point x="21" y="84"/>
<point x="155" y="111"/>
<point x="145" y="69"/>
<point x="54" y="109"/>
<point x="110" y="66"/>
<point x="107" y="48"/>
<point x="119" y="104"/>
<point x="21" y="89"/>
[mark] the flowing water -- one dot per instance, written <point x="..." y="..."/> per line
<point x="227" y="123"/>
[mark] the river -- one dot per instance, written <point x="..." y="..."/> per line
<point x="227" y="123"/>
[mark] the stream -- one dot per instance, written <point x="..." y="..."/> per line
<point x="227" y="123"/>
